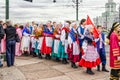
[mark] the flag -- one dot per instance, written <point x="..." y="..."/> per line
<point x="95" y="31"/>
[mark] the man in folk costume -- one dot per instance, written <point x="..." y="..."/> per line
<point x="114" y="42"/>
<point x="101" y="49"/>
<point x="73" y="48"/>
<point x="56" y="43"/>
<point x="25" y="46"/>
<point x="81" y="30"/>
<point x="64" y="43"/>
<point x="47" y="41"/>
<point x="39" y="40"/>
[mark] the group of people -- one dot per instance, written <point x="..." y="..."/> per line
<point x="66" y="42"/>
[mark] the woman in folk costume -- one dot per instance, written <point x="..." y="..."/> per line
<point x="3" y="41"/>
<point x="18" y="51"/>
<point x="33" y="40"/>
<point x="91" y="57"/>
<point x="114" y="42"/>
<point x="64" y="43"/>
<point x="47" y="41"/>
<point x="73" y="48"/>
<point x="25" y="45"/>
<point x="101" y="49"/>
<point x="39" y="40"/>
<point x="56" y="43"/>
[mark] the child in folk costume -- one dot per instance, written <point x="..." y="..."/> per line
<point x="56" y="43"/>
<point x="39" y="40"/>
<point x="47" y="41"/>
<point x="25" y="45"/>
<point x="64" y="43"/>
<point x="114" y="51"/>
<point x="91" y="57"/>
<point x="18" y="51"/>
<point x="101" y="49"/>
<point x="73" y="48"/>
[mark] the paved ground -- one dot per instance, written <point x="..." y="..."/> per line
<point x="29" y="68"/>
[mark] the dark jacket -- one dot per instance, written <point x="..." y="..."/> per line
<point x="1" y="32"/>
<point x="10" y="33"/>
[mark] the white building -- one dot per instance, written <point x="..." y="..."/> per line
<point x="109" y="16"/>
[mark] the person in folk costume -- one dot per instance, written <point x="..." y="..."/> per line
<point x="32" y="38"/>
<point x="91" y="57"/>
<point x="54" y="24"/>
<point x="25" y="45"/>
<point x="33" y="41"/>
<point x="63" y="54"/>
<point x="47" y="40"/>
<point x="114" y="40"/>
<point x="3" y="41"/>
<point x="80" y="31"/>
<point x="56" y="43"/>
<point x="18" y="51"/>
<point x="73" y="48"/>
<point x="101" y="49"/>
<point x="39" y="40"/>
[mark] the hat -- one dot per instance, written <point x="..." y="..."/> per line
<point x="116" y="25"/>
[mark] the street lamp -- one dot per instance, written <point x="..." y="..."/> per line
<point x="77" y="2"/>
<point x="7" y="9"/>
<point x="54" y="1"/>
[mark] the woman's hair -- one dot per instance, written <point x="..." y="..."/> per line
<point x="21" y="27"/>
<point x="116" y="24"/>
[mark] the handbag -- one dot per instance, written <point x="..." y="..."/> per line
<point x="17" y="38"/>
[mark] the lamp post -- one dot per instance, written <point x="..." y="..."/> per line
<point x="7" y="9"/>
<point x="77" y="2"/>
<point x="119" y="13"/>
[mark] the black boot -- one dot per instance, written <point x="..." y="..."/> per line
<point x="34" y="54"/>
<point x="98" y="68"/>
<point x="64" y="61"/>
<point x="48" y="57"/>
<point x="26" y="53"/>
<point x="89" y="71"/>
<point x="57" y="60"/>
<point x="1" y="65"/>
<point x="104" y="69"/>
<point x="39" y="56"/>
<point x="73" y="65"/>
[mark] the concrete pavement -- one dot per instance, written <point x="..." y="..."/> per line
<point x="31" y="68"/>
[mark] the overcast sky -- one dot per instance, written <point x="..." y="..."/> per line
<point x="47" y="10"/>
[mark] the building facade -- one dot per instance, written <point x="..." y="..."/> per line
<point x="109" y="16"/>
